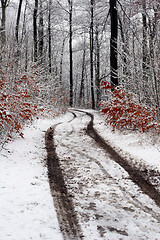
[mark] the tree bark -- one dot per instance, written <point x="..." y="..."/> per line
<point x="97" y="72"/>
<point x="49" y="38"/>
<point x="41" y="34"/>
<point x="145" y="63"/>
<point x="152" y="34"/>
<point x="18" y="19"/>
<point x="113" y="43"/>
<point x="61" y="62"/>
<point x="71" y="51"/>
<point x="81" y="95"/>
<point x="91" y="53"/>
<point x="4" y="4"/>
<point x="35" y="31"/>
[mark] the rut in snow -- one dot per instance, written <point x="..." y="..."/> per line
<point x="135" y="174"/>
<point x="63" y="201"/>
<point x="67" y="216"/>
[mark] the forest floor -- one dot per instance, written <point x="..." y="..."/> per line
<point x="104" y="184"/>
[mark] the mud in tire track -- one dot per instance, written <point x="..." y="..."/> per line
<point x="67" y="216"/>
<point x="136" y="175"/>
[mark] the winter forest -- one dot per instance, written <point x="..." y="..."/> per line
<point x="97" y="54"/>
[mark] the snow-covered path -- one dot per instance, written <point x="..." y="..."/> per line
<point x="108" y="205"/>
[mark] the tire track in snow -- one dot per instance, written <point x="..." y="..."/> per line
<point x="135" y="174"/>
<point x="127" y="195"/>
<point x="106" y="200"/>
<point x="67" y="216"/>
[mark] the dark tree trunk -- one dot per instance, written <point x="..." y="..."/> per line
<point x="4" y="4"/>
<point x="18" y="18"/>
<point x="71" y="52"/>
<point x="113" y="43"/>
<point x="91" y="53"/>
<point x="145" y="63"/>
<point x="145" y="49"/>
<point x="49" y="38"/>
<point x="41" y="41"/>
<point x="97" y="68"/>
<point x="35" y="31"/>
<point x="81" y="95"/>
<point x="61" y="62"/>
<point x="26" y="54"/>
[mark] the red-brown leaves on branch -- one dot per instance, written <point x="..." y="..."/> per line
<point x="16" y="105"/>
<point x="124" y="112"/>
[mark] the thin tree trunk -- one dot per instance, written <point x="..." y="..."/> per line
<point x="49" y="37"/>
<point x="113" y="43"/>
<point x="97" y="72"/>
<point x="61" y="63"/>
<point x="26" y="54"/>
<point x="124" y="54"/>
<point x="4" y="4"/>
<point x="145" y="64"/>
<point x="81" y="95"/>
<point x="152" y="59"/>
<point x="71" y="51"/>
<point x="145" y="50"/>
<point x="91" y="53"/>
<point x="41" y="34"/>
<point x="18" y="19"/>
<point x="24" y="23"/>
<point x="35" y="31"/>
<point x="135" y="69"/>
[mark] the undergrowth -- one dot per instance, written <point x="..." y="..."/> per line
<point x="22" y="98"/>
<point x="122" y="111"/>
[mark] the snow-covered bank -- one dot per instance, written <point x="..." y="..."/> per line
<point x="26" y="205"/>
<point x="139" y="149"/>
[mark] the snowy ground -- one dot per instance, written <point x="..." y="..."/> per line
<point x="108" y="204"/>
<point x="26" y="205"/>
<point x="143" y="147"/>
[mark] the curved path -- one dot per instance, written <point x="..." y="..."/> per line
<point x="136" y="175"/>
<point x="93" y="187"/>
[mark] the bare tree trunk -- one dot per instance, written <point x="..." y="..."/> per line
<point x="18" y="18"/>
<point x="97" y="68"/>
<point x="26" y="54"/>
<point x="61" y="62"/>
<point x="145" y="63"/>
<point x="41" y="33"/>
<point x="124" y="54"/>
<point x="71" y="51"/>
<point x="91" y="53"/>
<point x="3" y="28"/>
<point x="49" y="38"/>
<point x="152" y="60"/>
<point x="24" y="23"/>
<point x="113" y="43"/>
<point x="135" y="67"/>
<point x="81" y="95"/>
<point x="4" y="4"/>
<point x="35" y="31"/>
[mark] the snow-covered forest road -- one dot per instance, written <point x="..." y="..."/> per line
<point x="93" y="197"/>
<point x="97" y="193"/>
